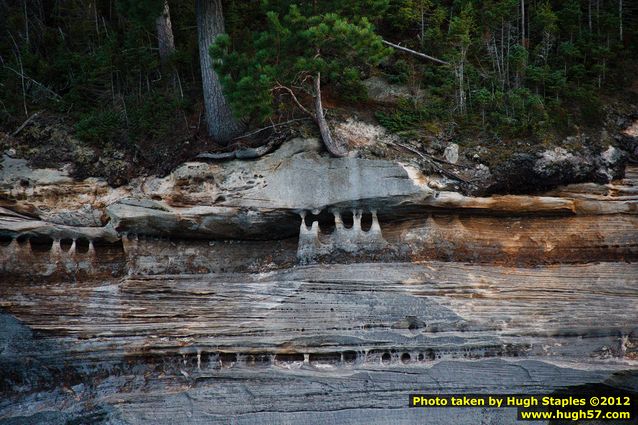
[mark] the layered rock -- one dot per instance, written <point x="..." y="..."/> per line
<point x="298" y="287"/>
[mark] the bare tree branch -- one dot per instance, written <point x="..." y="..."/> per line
<point x="414" y="52"/>
<point x="23" y="76"/>
<point x="279" y="86"/>
<point x="431" y="160"/>
<point x="24" y="124"/>
<point x="274" y="125"/>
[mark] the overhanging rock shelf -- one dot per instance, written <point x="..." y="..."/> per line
<point x="302" y="288"/>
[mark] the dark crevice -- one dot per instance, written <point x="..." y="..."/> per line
<point x="103" y="247"/>
<point x="348" y="219"/>
<point x="366" y="222"/>
<point x="66" y="244"/>
<point x="82" y="246"/>
<point x="325" y="358"/>
<point x="228" y="358"/>
<point x="349" y="356"/>
<point x="41" y="244"/>
<point x="289" y="357"/>
<point x="5" y="240"/>
<point x="258" y="360"/>
<point x="325" y="218"/>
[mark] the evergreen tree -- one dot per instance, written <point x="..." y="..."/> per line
<point x="305" y="45"/>
<point x="509" y="63"/>
<point x="147" y="12"/>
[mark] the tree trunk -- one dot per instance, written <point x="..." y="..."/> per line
<point x="222" y="125"/>
<point x="422" y="24"/>
<point x="326" y="135"/>
<point x="165" y="39"/>
<point x="620" y="19"/>
<point x="405" y="49"/>
<point x="523" y="23"/>
<point x="598" y="17"/>
<point x="460" y="72"/>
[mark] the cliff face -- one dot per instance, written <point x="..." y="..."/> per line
<point x="298" y="287"/>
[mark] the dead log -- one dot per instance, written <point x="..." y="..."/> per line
<point x="414" y="52"/>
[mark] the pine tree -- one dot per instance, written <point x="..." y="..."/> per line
<point x="304" y="46"/>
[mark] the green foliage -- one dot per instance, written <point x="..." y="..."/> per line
<point x="516" y="86"/>
<point x="399" y="72"/>
<point x="151" y="119"/>
<point x="144" y="12"/>
<point x="462" y="26"/>
<point x="589" y="105"/>
<point x="101" y="128"/>
<point x="82" y="56"/>
<point x="155" y="117"/>
<point x="332" y="38"/>
<point x="97" y="61"/>
<point x="407" y="116"/>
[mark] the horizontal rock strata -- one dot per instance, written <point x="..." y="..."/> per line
<point x="299" y="288"/>
<point x="397" y="327"/>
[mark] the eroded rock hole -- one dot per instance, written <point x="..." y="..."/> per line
<point x="349" y="356"/>
<point x="103" y="247"/>
<point x="40" y="244"/>
<point x="325" y="218"/>
<point x="22" y="239"/>
<point x="228" y="359"/>
<point x="205" y="359"/>
<point x="386" y="358"/>
<point x="189" y="360"/>
<point x="420" y="357"/>
<point x="289" y="357"/>
<point x="82" y="246"/>
<point x="261" y="360"/>
<point x="5" y="240"/>
<point x="366" y="221"/>
<point x="325" y="358"/>
<point x="66" y="244"/>
<point x="348" y="219"/>
<point x="309" y="219"/>
<point x="405" y="358"/>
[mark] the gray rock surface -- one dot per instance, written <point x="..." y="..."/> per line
<point x="381" y="91"/>
<point x="451" y="153"/>
<point x="527" y="172"/>
<point x="194" y="304"/>
<point x="271" y="347"/>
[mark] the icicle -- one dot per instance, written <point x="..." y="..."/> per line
<point x="356" y="220"/>
<point x="375" y="229"/>
<point x="350" y="240"/>
<point x="338" y="219"/>
<point x="92" y="254"/>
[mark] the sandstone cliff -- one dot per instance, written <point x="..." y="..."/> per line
<point x="302" y="288"/>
